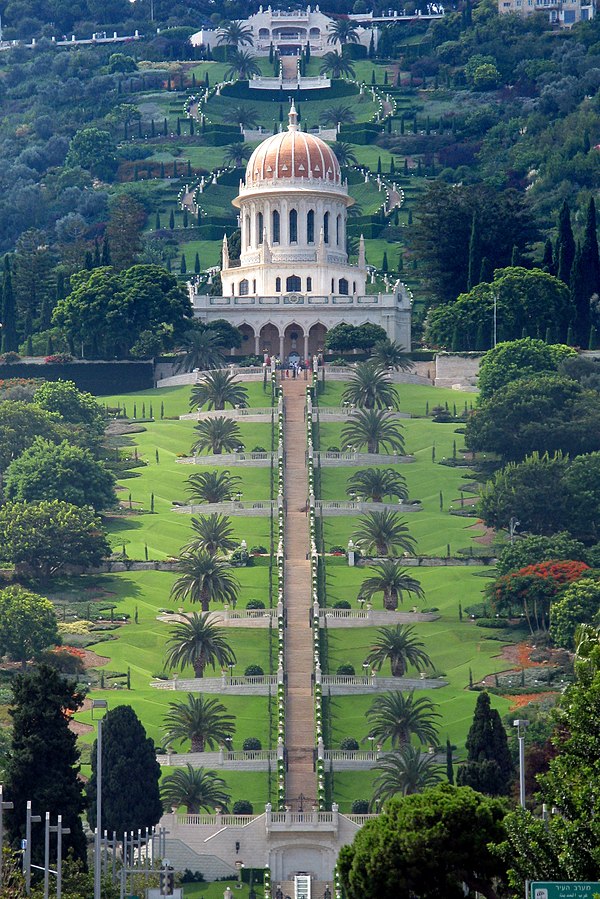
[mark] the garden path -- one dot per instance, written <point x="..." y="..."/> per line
<point x="300" y="721"/>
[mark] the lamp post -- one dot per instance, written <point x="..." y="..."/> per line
<point x="98" y="704"/>
<point x="521" y="724"/>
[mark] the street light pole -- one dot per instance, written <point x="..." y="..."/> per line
<point x="4" y="806"/>
<point x="521" y="726"/>
<point x="98" y="704"/>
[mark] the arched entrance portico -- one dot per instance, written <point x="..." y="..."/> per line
<point x="293" y="343"/>
<point x="316" y="339"/>
<point x="269" y="340"/>
<point x="250" y="342"/>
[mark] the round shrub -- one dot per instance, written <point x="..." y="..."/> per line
<point x="251" y="743"/>
<point x="333" y="449"/>
<point x="349" y="743"/>
<point x="346" y="669"/>
<point x="342" y="604"/>
<point x="242" y="807"/>
<point x="258" y="449"/>
<point x="360" y="807"/>
<point x="254" y="671"/>
<point x="337" y="549"/>
<point x="255" y="604"/>
<point x="258" y="550"/>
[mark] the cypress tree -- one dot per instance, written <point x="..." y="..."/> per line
<point x="456" y="343"/>
<point x="88" y="260"/>
<point x="172" y="220"/>
<point x="178" y="128"/>
<point x="565" y="245"/>
<point x="9" y="311"/>
<point x="410" y="220"/>
<point x="385" y="77"/>
<point x="593" y="340"/>
<point x="165" y="127"/>
<point x="405" y="158"/>
<point x="402" y="132"/>
<point x="474" y="255"/>
<point x="183" y="265"/>
<point x="379" y="165"/>
<point x="480" y="339"/>
<point x="49" y="346"/>
<point x="515" y="259"/>
<point x="372" y="48"/>
<point x="185" y="218"/>
<point x="373" y="77"/>
<point x="206" y="80"/>
<point x="570" y="335"/>
<point x="486" y="272"/>
<point x="157" y="222"/>
<point x="139" y="127"/>
<point x="271" y="53"/>
<point x="581" y="293"/>
<point x="489" y="767"/>
<point x="549" y="338"/>
<point x="548" y="258"/>
<point x="392" y="166"/>
<point x="44" y="762"/>
<point x="197" y="264"/>
<point x="106" y="251"/>
<point x="449" y="765"/>
<point x="384" y="263"/>
<point x="169" y="266"/>
<point x="29" y="346"/>
<point x="130" y="791"/>
<point x="192" y="127"/>
<point x="96" y="255"/>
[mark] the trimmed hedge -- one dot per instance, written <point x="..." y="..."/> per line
<point x="354" y="51"/>
<point x="94" y="377"/>
<point x="241" y="91"/>
<point x="365" y="133"/>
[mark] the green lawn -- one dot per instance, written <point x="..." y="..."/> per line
<point x="215" y="890"/>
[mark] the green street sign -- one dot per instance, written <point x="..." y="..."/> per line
<point x="565" y="890"/>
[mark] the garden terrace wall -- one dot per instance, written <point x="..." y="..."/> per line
<point x="95" y="377"/>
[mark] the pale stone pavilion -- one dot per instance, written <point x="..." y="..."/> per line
<point x="293" y="281"/>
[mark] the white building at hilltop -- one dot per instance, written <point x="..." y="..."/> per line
<point x="293" y="281"/>
<point x="289" y="31"/>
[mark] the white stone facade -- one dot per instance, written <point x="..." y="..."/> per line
<point x="293" y="281"/>
<point x="288" y="31"/>
<point x="564" y="13"/>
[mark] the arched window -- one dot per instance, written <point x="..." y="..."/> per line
<point x="247" y="229"/>
<point x="308" y="284"/>
<point x="278" y="285"/>
<point x="244" y="287"/>
<point x="344" y="287"/>
<point x="310" y="226"/>
<point x="276" y="227"/>
<point x="338" y="229"/>
<point x="293" y="226"/>
<point x="326" y="227"/>
<point x="259" y="229"/>
<point x="293" y="283"/>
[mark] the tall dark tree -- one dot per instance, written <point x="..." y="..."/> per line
<point x="130" y="775"/>
<point x="9" y="311"/>
<point x="489" y="767"/>
<point x="565" y="245"/>
<point x="127" y="218"/>
<point x="474" y="255"/>
<point x="548" y="258"/>
<point x="43" y="765"/>
<point x="585" y="276"/>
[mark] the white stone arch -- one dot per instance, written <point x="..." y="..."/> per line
<point x="316" y="336"/>
<point x="249" y="339"/>
<point x="270" y="338"/>
<point x="317" y="858"/>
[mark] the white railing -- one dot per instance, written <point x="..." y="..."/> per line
<point x="325" y="411"/>
<point x="363" y="506"/>
<point x="347" y="680"/>
<point x="343" y="613"/>
<point x="360" y="819"/>
<point x="239" y="412"/>
<point x="302" y="818"/>
<point x="215" y="684"/>
<point x="218" y="820"/>
<point x="362" y="755"/>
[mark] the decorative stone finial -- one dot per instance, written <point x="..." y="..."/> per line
<point x="292" y="118"/>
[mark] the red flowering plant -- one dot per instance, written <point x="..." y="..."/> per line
<point x="530" y="590"/>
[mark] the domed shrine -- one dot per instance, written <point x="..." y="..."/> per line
<point x="293" y="280"/>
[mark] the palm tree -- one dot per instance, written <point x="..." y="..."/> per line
<point x="344" y="153"/>
<point x="373" y="429"/>
<point x="370" y="387"/>
<point x="375" y="483"/>
<point x="217" y="434"/>
<point x="212" y="486"/>
<point x="202" y="350"/>
<point x="242" y="66"/>
<point x="385" y="532"/>
<point x="212" y="533"/>
<point x="344" y="31"/>
<point x="196" y="789"/>
<point x="204" y="578"/>
<point x="203" y="721"/>
<point x="246" y="116"/>
<point x="406" y="772"/>
<point x="401" y="646"/>
<point x="196" y="642"/>
<point x="390" y="354"/>
<point x="334" y="114"/>
<point x="393" y="581"/>
<point x="217" y="389"/>
<point x="236" y="154"/>
<point x="336" y="65"/>
<point x="399" y="716"/>
<point x="234" y="33"/>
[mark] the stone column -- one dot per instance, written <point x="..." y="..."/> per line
<point x="257" y="343"/>
<point x="305" y="346"/>
<point x="281" y="346"/>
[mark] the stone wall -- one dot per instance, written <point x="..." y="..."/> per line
<point x="456" y="370"/>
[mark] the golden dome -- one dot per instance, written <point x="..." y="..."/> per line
<point x="292" y="154"/>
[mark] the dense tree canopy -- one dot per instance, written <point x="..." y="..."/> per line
<point x="518" y="359"/>
<point x="107" y="311"/>
<point x="41" y="538"/>
<point x="48" y="471"/>
<point x="27" y="624"/>
<point x="429" y="845"/>
<point x="489" y="767"/>
<point x="542" y="413"/>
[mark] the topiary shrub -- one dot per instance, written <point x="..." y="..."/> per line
<point x="255" y="604"/>
<point x="258" y="449"/>
<point x="337" y="549"/>
<point x="360" y="807"/>
<point x="258" y="550"/>
<point x="346" y="669"/>
<point x="342" y="604"/>
<point x="240" y="558"/>
<point x="243" y="807"/>
<point x="251" y="743"/>
<point x="254" y="671"/>
<point x="349" y="744"/>
<point x="333" y="449"/>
